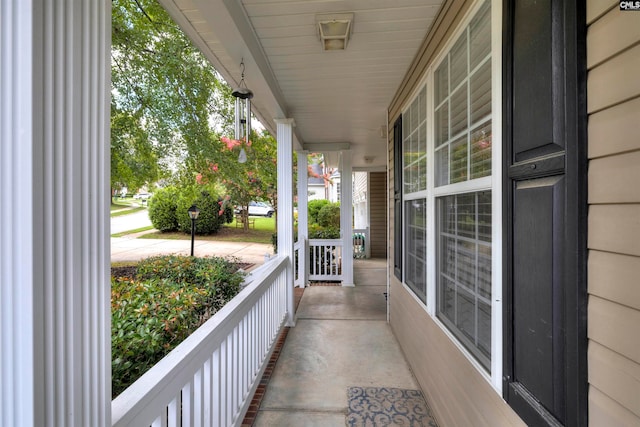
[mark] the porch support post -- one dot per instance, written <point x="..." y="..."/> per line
<point x="55" y="352"/>
<point x="284" y="132"/>
<point x="303" y="218"/>
<point x="346" y="215"/>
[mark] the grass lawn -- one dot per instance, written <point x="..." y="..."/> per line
<point x="264" y="229"/>
<point x="118" y="206"/>
<point x="127" y="206"/>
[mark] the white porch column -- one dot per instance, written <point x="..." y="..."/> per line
<point x="55" y="352"/>
<point x="346" y="215"/>
<point x="303" y="217"/>
<point x="284" y="132"/>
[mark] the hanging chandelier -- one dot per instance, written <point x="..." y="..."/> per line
<point x="243" y="97"/>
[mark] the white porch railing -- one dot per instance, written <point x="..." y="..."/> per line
<point x="210" y="378"/>
<point x="325" y="261"/>
<point x="300" y="263"/>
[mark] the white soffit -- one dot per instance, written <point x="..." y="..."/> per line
<point x="334" y="96"/>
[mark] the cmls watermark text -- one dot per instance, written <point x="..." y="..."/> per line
<point x="630" y="5"/>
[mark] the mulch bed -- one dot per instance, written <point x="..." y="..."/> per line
<point x="124" y="271"/>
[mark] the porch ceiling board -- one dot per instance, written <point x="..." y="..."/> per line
<point x="332" y="96"/>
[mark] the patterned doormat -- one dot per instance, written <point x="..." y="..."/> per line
<point x="385" y="406"/>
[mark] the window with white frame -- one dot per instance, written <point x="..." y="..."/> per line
<point x="414" y="176"/>
<point x="449" y="122"/>
<point x="464" y="270"/>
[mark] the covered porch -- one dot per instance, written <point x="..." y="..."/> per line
<point x="55" y="284"/>
<point x="340" y="364"/>
<point x="341" y="346"/>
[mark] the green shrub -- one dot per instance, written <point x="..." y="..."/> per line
<point x="329" y="215"/>
<point x="209" y="219"/>
<point x="168" y="209"/>
<point x="317" y="232"/>
<point x="162" y="209"/>
<point x="314" y="207"/>
<point x="152" y="313"/>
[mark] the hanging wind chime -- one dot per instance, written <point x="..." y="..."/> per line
<point x="243" y="97"/>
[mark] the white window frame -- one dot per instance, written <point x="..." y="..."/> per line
<point x="492" y="183"/>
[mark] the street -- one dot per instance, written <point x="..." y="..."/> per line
<point x="130" y="222"/>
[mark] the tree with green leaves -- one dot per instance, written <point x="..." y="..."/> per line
<point x="254" y="179"/>
<point x="172" y="114"/>
<point x="169" y="104"/>
<point x="134" y="163"/>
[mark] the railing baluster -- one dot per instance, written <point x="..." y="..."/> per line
<point x="206" y="397"/>
<point x="187" y="405"/>
<point x="235" y="383"/>
<point x="242" y="370"/>
<point x="173" y="411"/>
<point x="197" y="398"/>
<point x="228" y="395"/>
<point x="216" y="396"/>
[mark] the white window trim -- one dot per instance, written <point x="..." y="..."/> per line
<point x="492" y="183"/>
<point x="496" y="195"/>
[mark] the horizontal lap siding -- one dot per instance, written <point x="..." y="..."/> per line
<point x="613" y="60"/>
<point x="378" y="214"/>
<point x="458" y="394"/>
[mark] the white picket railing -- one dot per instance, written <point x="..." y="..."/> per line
<point x="300" y="263"/>
<point x="210" y="378"/>
<point x="325" y="261"/>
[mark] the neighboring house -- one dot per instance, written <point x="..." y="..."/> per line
<point x="315" y="183"/>
<point x="360" y="205"/>
<point x="333" y="187"/>
<point x="509" y="175"/>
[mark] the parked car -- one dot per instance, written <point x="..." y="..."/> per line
<point x="259" y="209"/>
<point x="142" y="196"/>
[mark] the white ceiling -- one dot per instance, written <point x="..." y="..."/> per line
<point x="334" y="96"/>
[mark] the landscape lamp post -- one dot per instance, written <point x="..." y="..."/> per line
<point x="193" y="214"/>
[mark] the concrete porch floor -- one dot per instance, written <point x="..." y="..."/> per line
<point x="341" y="339"/>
